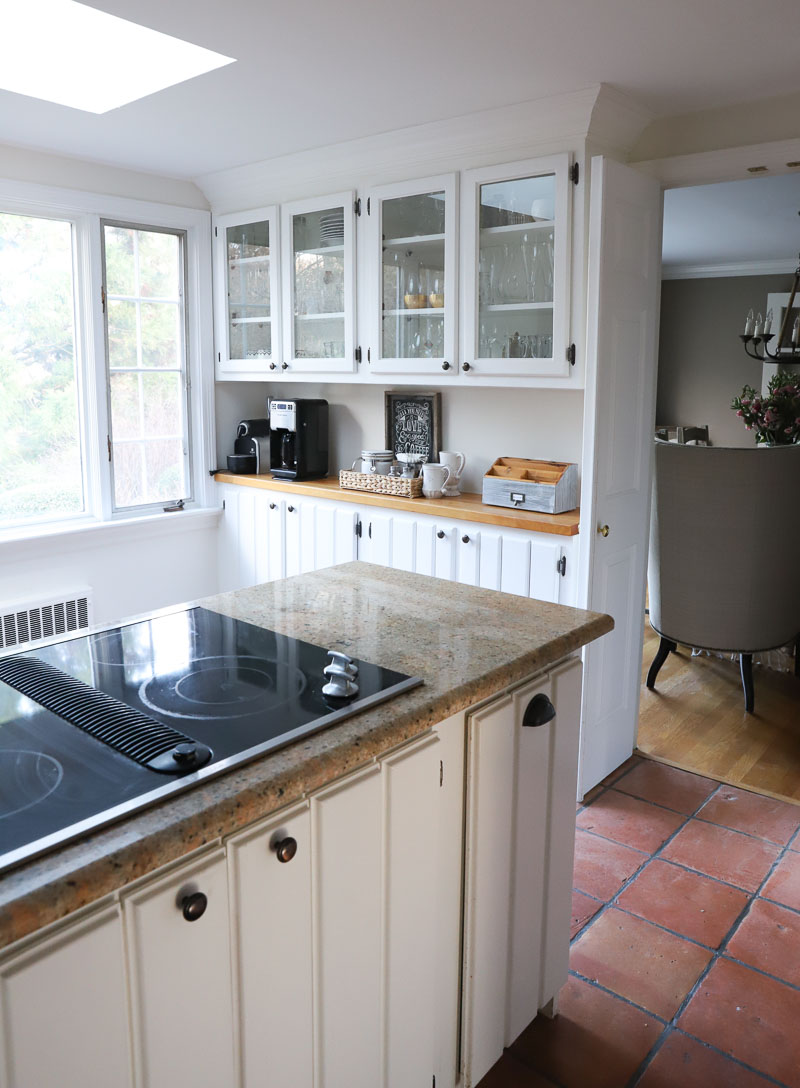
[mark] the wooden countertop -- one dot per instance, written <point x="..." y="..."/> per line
<point x="467" y="507"/>
<point x="466" y="644"/>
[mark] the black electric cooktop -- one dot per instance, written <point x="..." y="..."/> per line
<point x="176" y="699"/>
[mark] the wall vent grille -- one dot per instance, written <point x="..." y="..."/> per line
<point x="24" y="623"/>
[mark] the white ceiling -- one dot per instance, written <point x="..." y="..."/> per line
<point x="733" y="223"/>
<point x="311" y="72"/>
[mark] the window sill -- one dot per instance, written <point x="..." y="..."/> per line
<point x="26" y="543"/>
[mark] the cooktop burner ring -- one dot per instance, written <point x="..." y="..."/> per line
<point x="28" y="777"/>
<point x="228" y="685"/>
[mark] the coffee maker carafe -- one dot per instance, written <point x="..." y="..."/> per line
<point x="298" y="439"/>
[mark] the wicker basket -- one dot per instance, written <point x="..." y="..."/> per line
<point x="381" y="484"/>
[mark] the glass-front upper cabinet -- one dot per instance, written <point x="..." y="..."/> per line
<point x="411" y="288"/>
<point x="515" y="237"/>
<point x="319" y="289"/>
<point x="247" y="285"/>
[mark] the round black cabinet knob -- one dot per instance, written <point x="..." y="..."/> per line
<point x="272" y="506"/>
<point x="465" y="539"/>
<point x="273" y="366"/>
<point x="284" y="366"/>
<point x="286" y="849"/>
<point x="440" y="534"/>
<point x="194" y="906"/>
<point x="466" y="366"/>
<point x="445" y="365"/>
<point x="290" y="509"/>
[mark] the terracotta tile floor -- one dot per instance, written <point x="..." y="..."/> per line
<point x="685" y="957"/>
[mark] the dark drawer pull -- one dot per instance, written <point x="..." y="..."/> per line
<point x="194" y="906"/>
<point x="539" y="711"/>
<point x="286" y="849"/>
<point x="440" y="534"/>
<point x="272" y="506"/>
<point x="290" y="509"/>
<point x="465" y="539"/>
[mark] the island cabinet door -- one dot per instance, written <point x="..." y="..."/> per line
<point x="270" y="881"/>
<point x="520" y="839"/>
<point x="300" y="536"/>
<point x="178" y="939"/>
<point x="64" y="1010"/>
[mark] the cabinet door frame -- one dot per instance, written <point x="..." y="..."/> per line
<point x="373" y="278"/>
<point x="228" y="368"/>
<point x="489" y="369"/>
<point x="289" y="365"/>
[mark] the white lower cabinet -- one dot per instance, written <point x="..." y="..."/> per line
<point x="394" y="929"/>
<point x="179" y="959"/>
<point x="64" y="1008"/>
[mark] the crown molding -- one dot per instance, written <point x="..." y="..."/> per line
<point x="542" y="126"/>
<point x="618" y="120"/>
<point x="725" y="164"/>
<point x="732" y="268"/>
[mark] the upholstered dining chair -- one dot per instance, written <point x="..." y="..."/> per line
<point x="724" y="569"/>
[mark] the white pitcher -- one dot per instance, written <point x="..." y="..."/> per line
<point x="455" y="462"/>
<point x="434" y="478"/>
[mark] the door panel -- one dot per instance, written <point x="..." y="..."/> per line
<point x="444" y="555"/>
<point x="468" y="556"/>
<point x="491" y="557"/>
<point x="404" y="540"/>
<point x="516" y="568"/>
<point x="545" y="579"/>
<point x="623" y="306"/>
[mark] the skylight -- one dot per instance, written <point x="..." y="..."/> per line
<point x="74" y="55"/>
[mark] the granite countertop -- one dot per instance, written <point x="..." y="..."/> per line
<point x="466" y="643"/>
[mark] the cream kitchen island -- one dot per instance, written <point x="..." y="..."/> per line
<point x="419" y="917"/>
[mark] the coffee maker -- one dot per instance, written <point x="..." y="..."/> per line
<point x="298" y="439"/>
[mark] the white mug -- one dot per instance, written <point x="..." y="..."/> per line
<point x="434" y="478"/>
<point x="455" y="462"/>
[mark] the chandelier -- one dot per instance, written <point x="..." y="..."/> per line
<point x="758" y="333"/>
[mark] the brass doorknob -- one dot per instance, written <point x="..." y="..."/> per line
<point x="603" y="530"/>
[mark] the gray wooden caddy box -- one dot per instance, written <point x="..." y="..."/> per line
<point x="549" y="487"/>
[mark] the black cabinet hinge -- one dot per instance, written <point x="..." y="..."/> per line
<point x="571" y="355"/>
<point x="369" y="531"/>
<point x="216" y="232"/>
<point x="441" y="773"/>
<point x="358" y="355"/>
<point x="575" y="173"/>
<point x="357" y="205"/>
<point x="561" y="565"/>
<point x="369" y="202"/>
<point x="368" y="358"/>
<point x="358" y="529"/>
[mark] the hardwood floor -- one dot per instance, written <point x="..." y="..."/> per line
<point x="695" y="719"/>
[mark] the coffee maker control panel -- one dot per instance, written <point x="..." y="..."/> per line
<point x="283" y="415"/>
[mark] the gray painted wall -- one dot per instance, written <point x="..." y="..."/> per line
<point x="701" y="363"/>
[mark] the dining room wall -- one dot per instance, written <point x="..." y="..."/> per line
<point x="701" y="362"/>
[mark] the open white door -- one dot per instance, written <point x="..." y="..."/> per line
<point x="623" y="292"/>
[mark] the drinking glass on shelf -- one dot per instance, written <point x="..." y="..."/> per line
<point x="437" y="339"/>
<point x="543" y="269"/>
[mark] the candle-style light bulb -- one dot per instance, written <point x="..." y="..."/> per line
<point x="768" y="323"/>
<point x="749" y="323"/>
<point x="759" y="329"/>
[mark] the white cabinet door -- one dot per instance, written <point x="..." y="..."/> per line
<point x="180" y="977"/>
<point x="404" y="542"/>
<point x="346" y="851"/>
<point x="318" y="238"/>
<point x="376" y="538"/>
<point x="468" y="555"/>
<point x="515" y="238"/>
<point x="300" y="536"/>
<point x="246" y="294"/>
<point x="335" y="535"/>
<point x="65" y="1016"/>
<point x="491" y="559"/>
<point x="515" y="575"/>
<point x="520" y="840"/>
<point x="623" y="292"/>
<point x="410" y="290"/>
<point x="546" y="556"/>
<point x="271" y="903"/>
<point x="444" y="551"/>
<point x="276" y="539"/>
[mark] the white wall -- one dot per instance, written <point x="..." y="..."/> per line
<point x="22" y="164"/>
<point x="130" y="569"/>
<point x="482" y="423"/>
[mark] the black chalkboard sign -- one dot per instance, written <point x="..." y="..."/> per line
<point x="414" y="424"/>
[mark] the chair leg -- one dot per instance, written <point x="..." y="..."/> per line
<point x="665" y="648"/>
<point x="746" y="666"/>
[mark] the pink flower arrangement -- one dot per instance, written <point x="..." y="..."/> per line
<point x="775" y="417"/>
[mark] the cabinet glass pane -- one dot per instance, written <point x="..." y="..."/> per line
<point x="318" y="249"/>
<point x="248" y="262"/>
<point x="413" y="298"/>
<point x="515" y="275"/>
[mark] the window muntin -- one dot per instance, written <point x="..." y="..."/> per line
<point x="143" y="270"/>
<point x="41" y="463"/>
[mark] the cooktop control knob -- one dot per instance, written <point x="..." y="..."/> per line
<point x="345" y="662"/>
<point x="340" y="682"/>
<point x="185" y="754"/>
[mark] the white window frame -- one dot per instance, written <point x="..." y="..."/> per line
<point x="87" y="211"/>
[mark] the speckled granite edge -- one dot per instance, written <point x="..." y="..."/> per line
<point x="467" y="644"/>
